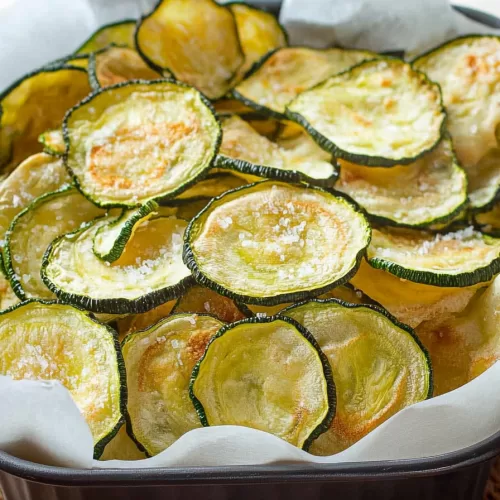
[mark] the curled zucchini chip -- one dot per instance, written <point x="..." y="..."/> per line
<point x="35" y="103"/>
<point x="259" y="32"/>
<point x="33" y="230"/>
<point x="36" y="175"/>
<point x="378" y="364"/>
<point x="50" y="341"/>
<point x="139" y="141"/>
<point x="148" y="273"/>
<point x="268" y="374"/>
<point x="119" y="33"/>
<point x="489" y="222"/>
<point x="199" y="299"/>
<point x="214" y="185"/>
<point x="121" y="447"/>
<point x="53" y="142"/>
<point x="283" y="74"/>
<point x="454" y="259"/>
<point x="379" y="113"/>
<point x="271" y="242"/>
<point x="110" y="240"/>
<point x="196" y="40"/>
<point x="432" y="190"/>
<point x="159" y="363"/>
<point x="467" y="69"/>
<point x="118" y="64"/>
<point x="464" y="345"/>
<point x="410" y="302"/>
<point x="293" y="160"/>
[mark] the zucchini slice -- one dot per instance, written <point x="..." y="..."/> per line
<point x="453" y="259"/>
<point x="378" y="113"/>
<point x="121" y="447"/>
<point x="52" y="142"/>
<point x="51" y="341"/>
<point x="267" y="374"/>
<point x="47" y="217"/>
<point x="37" y="175"/>
<point x="214" y="185"/>
<point x="148" y="273"/>
<point x="378" y="364"/>
<point x="138" y="141"/>
<point x="489" y="222"/>
<point x="159" y="363"/>
<point x="467" y="71"/>
<point x="110" y="240"/>
<point x="196" y="40"/>
<point x="118" y="64"/>
<point x="410" y="302"/>
<point x="293" y="160"/>
<point x="35" y="103"/>
<point x="259" y="32"/>
<point x="430" y="191"/>
<point x="283" y="74"/>
<point x="199" y="299"/>
<point x="119" y="33"/>
<point x="464" y="345"/>
<point x="270" y="242"/>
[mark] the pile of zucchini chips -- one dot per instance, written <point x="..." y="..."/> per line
<point x="201" y="225"/>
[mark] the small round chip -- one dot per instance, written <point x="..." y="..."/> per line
<point x="270" y="242"/>
<point x="139" y="141"/>
<point x="268" y="374"/>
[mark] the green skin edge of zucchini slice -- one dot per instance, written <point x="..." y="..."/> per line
<point x="159" y="198"/>
<point x="268" y="172"/>
<point x="128" y="338"/>
<point x="126" y="232"/>
<point x="97" y="32"/>
<point x="190" y="260"/>
<point x="100" y="445"/>
<point x="327" y="371"/>
<point x="164" y="71"/>
<point x="384" y="312"/>
<point x="141" y="304"/>
<point x="369" y="161"/>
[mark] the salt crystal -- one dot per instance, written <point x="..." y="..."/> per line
<point x="206" y="305"/>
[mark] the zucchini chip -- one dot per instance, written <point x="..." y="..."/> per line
<point x="430" y="191"/>
<point x="34" y="229"/>
<point x="50" y="341"/>
<point x="410" y="302"/>
<point x="35" y="103"/>
<point x="199" y="299"/>
<point x="110" y="240"/>
<point x="378" y="113"/>
<point x="119" y="33"/>
<point x="454" y="259"/>
<point x="159" y="363"/>
<point x="283" y="74"/>
<point x="7" y="296"/>
<point x="118" y="64"/>
<point x="467" y="69"/>
<point x="489" y="222"/>
<point x="259" y="32"/>
<point x="196" y="40"/>
<point x="191" y="208"/>
<point x="214" y="185"/>
<point x="464" y="345"/>
<point x="121" y="447"/>
<point x="37" y="175"/>
<point x="148" y="273"/>
<point x="52" y="142"/>
<point x="270" y="242"/>
<point x="293" y="160"/>
<point x="267" y="374"/>
<point x="138" y="141"/>
<point x="378" y="364"/>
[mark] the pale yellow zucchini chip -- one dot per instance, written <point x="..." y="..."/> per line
<point x="121" y="447"/>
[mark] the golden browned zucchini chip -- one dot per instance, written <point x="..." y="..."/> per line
<point x="432" y="190"/>
<point x="280" y="76"/>
<point x="119" y="33"/>
<point x="467" y="69"/>
<point x="140" y="141"/>
<point x="268" y="374"/>
<point x="271" y="242"/>
<point x="196" y="40"/>
<point x="378" y="364"/>
<point x="121" y="447"/>
<point x="159" y="363"/>
<point x="35" y="103"/>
